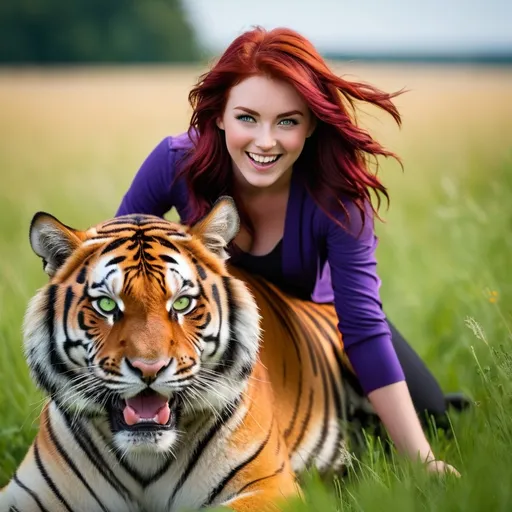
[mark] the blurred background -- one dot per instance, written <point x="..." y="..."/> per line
<point x="50" y="31"/>
<point x="88" y="88"/>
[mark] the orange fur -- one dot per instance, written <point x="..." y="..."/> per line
<point x="292" y="392"/>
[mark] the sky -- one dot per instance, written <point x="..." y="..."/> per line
<point x="400" y="26"/>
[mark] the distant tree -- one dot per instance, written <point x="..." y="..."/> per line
<point x="85" y="31"/>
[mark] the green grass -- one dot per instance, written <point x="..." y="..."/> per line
<point x="70" y="144"/>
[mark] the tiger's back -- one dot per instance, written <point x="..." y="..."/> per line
<point x="311" y="378"/>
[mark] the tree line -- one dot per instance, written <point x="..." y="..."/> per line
<point x="95" y="31"/>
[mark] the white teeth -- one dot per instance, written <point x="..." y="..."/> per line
<point x="148" y="420"/>
<point x="263" y="159"/>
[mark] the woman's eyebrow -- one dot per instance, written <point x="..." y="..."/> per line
<point x="291" y="113"/>
<point x="284" y="114"/>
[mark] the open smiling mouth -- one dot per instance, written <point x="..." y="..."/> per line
<point x="263" y="161"/>
<point x="147" y="411"/>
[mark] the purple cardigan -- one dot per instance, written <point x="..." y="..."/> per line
<point x="339" y="264"/>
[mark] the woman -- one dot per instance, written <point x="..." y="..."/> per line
<point x="271" y="126"/>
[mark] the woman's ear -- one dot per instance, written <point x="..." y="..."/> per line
<point x="220" y="123"/>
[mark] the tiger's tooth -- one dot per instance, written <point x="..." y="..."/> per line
<point x="148" y="420"/>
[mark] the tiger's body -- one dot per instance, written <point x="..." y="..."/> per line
<point x="168" y="388"/>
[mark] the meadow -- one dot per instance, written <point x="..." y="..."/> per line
<point x="71" y="141"/>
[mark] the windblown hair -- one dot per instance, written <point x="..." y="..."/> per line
<point x="335" y="158"/>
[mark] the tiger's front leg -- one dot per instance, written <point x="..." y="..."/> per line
<point x="264" y="495"/>
<point x="262" y="483"/>
<point x="56" y="476"/>
<point x="263" y="476"/>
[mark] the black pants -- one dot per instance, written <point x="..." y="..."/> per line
<point x="426" y="393"/>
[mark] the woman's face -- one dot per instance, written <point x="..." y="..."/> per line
<point x="266" y="123"/>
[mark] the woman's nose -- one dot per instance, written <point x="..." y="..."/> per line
<point x="266" y="141"/>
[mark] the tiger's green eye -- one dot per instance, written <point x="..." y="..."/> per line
<point x="107" y="305"/>
<point x="181" y="304"/>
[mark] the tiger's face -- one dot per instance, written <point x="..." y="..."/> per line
<point x="140" y="324"/>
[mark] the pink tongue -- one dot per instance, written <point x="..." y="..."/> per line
<point x="146" y="407"/>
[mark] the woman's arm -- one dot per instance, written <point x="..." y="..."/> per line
<point x="366" y="335"/>
<point x="394" y="406"/>
<point x="150" y="191"/>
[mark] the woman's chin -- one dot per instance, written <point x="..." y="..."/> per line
<point x="262" y="178"/>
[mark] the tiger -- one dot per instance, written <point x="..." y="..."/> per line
<point x="174" y="380"/>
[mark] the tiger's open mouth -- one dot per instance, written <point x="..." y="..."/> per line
<point x="147" y="411"/>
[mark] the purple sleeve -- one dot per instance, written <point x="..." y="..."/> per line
<point x="362" y="323"/>
<point x="150" y="191"/>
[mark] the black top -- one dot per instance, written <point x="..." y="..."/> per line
<point x="270" y="268"/>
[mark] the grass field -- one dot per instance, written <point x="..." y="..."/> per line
<point x="71" y="141"/>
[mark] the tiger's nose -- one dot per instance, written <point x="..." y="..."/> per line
<point x="149" y="370"/>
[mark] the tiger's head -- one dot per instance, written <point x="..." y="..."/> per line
<point x="140" y="323"/>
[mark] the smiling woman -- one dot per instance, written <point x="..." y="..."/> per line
<point x="273" y="127"/>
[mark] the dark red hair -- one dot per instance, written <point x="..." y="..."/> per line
<point x="334" y="159"/>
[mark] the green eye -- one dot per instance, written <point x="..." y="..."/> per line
<point x="106" y="304"/>
<point x="181" y="304"/>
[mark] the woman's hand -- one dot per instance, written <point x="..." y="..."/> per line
<point x="394" y="406"/>
<point x="438" y="466"/>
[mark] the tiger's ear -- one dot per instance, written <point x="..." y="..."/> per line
<point x="219" y="227"/>
<point x="52" y="241"/>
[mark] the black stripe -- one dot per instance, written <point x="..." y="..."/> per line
<point x="245" y="371"/>
<point x="305" y="422"/>
<point x="80" y="279"/>
<point x="48" y="480"/>
<point x="124" y="220"/>
<point x="108" y="233"/>
<point x="68" y="301"/>
<point x="40" y="373"/>
<point x="295" y="318"/>
<point x="14" y="509"/>
<point x="168" y="259"/>
<point x="205" y="323"/>
<point x="346" y="373"/>
<point x="226" y="414"/>
<point x="166" y="243"/>
<point x="115" y="261"/>
<point x="97" y="460"/>
<point x="216" y="298"/>
<point x="326" y="408"/>
<point x="103" y="282"/>
<point x="32" y="494"/>
<point x="174" y="232"/>
<point x="114" y="245"/>
<point x="230" y="353"/>
<point x="57" y="363"/>
<point x="201" y="271"/>
<point x="275" y="473"/>
<point x="71" y="464"/>
<point x="220" y="487"/>
<point x="186" y="369"/>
